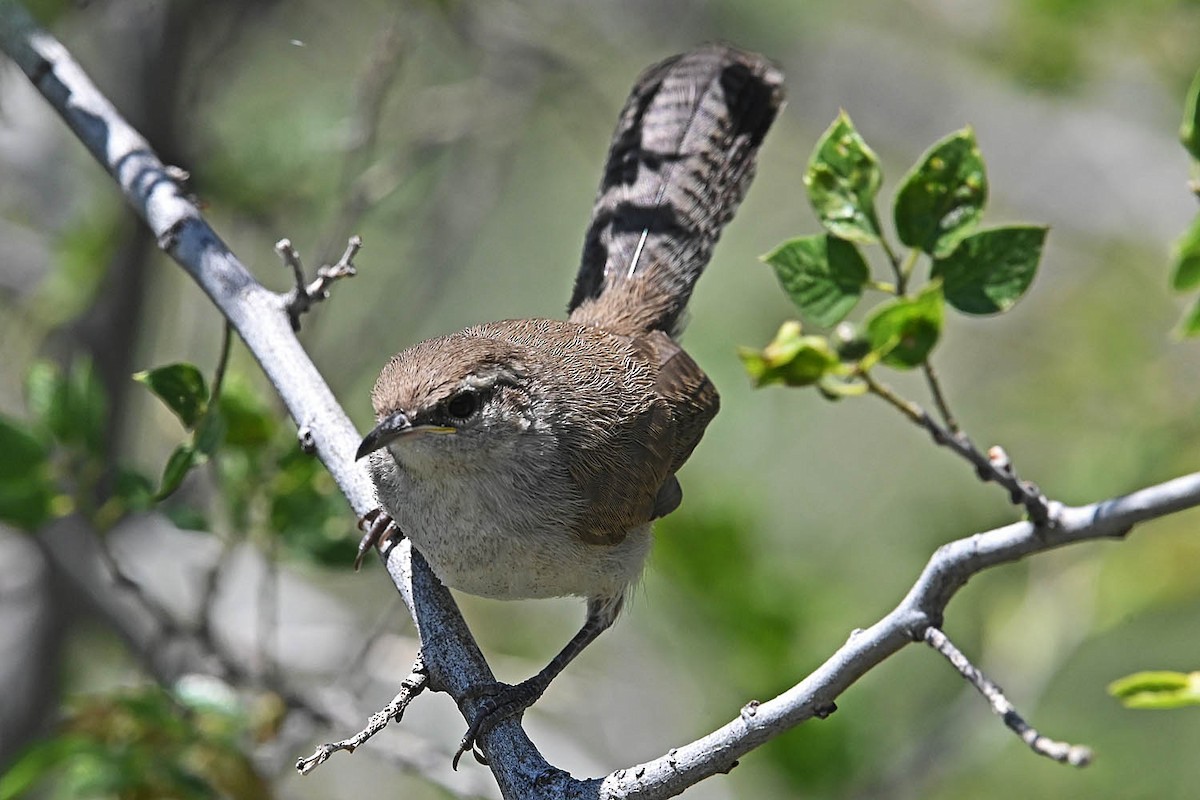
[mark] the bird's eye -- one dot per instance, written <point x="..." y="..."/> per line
<point x="463" y="405"/>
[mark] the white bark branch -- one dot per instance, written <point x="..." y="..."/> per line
<point x="451" y="655"/>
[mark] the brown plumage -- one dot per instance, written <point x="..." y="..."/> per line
<point x="527" y="458"/>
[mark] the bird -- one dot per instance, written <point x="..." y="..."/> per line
<point x="528" y="458"/>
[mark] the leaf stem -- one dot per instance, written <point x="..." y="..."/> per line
<point x="897" y="269"/>
<point x="910" y="263"/>
<point x="939" y="399"/>
<point x="222" y="364"/>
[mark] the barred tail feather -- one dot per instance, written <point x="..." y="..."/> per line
<point x="681" y="159"/>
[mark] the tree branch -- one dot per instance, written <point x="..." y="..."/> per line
<point x="946" y="572"/>
<point x="451" y="656"/>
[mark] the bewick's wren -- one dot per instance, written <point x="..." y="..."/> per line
<point x="527" y="458"/>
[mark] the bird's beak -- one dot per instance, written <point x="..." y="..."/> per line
<point x="389" y="428"/>
<point x="392" y="427"/>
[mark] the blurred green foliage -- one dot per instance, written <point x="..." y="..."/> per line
<point x="1052" y="44"/>
<point x="140" y="743"/>
<point x="1185" y="274"/>
<point x="1157" y="689"/>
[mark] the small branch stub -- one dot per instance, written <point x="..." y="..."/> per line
<point x="303" y="295"/>
<point x="1062" y="752"/>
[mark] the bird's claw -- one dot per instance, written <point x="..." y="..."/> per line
<point x="378" y="529"/>
<point x="499" y="701"/>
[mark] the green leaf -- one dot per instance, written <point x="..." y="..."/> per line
<point x="309" y="512"/>
<point x="26" y="490"/>
<point x="1190" y="324"/>
<point x="250" y="423"/>
<point x="210" y="432"/>
<point x="942" y="198"/>
<point x="824" y="275"/>
<point x="181" y="387"/>
<point x="27" y="502"/>
<point x="71" y="408"/>
<point x="44" y="393"/>
<point x="178" y="465"/>
<point x="1157" y="689"/>
<point x="835" y="387"/>
<point x="850" y="343"/>
<point x="1185" y="255"/>
<point x="989" y="271"/>
<point x="842" y="178"/>
<point x="1189" y="129"/>
<point x="21" y="453"/>
<point x="904" y="331"/>
<point x="39" y="761"/>
<point x="135" y="490"/>
<point x="790" y="359"/>
<point x="88" y="406"/>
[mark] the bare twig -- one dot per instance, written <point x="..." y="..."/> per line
<point x="987" y="467"/>
<point x="939" y="398"/>
<point x="1062" y="752"/>
<point x="304" y="296"/>
<point x="410" y="687"/>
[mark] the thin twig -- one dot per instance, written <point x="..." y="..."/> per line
<point x="939" y="399"/>
<point x="1062" y="752"/>
<point x="218" y="381"/>
<point x="302" y="297"/>
<point x="989" y="467"/>
<point x="410" y="687"/>
<point x="291" y="259"/>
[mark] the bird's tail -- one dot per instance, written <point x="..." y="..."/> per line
<point x="681" y="159"/>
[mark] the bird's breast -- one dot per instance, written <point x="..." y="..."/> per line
<point x="505" y="534"/>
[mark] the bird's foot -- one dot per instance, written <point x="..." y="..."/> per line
<point x="379" y="530"/>
<point x="499" y="702"/>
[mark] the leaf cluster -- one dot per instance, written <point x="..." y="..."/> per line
<point x="268" y="484"/>
<point x="936" y="215"/>
<point x="54" y="461"/>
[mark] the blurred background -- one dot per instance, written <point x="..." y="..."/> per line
<point x="463" y="142"/>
